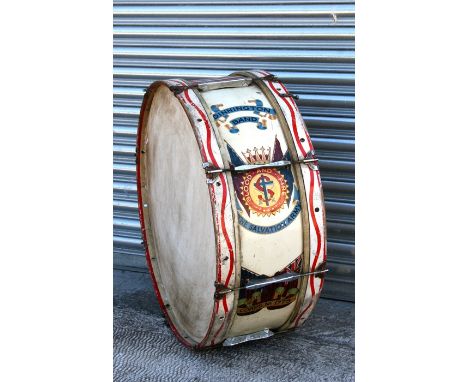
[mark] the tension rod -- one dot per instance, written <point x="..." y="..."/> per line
<point x="221" y="290"/>
<point x="209" y="169"/>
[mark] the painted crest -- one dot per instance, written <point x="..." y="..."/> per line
<point x="264" y="190"/>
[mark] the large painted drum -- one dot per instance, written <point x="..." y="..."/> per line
<point x="231" y="207"/>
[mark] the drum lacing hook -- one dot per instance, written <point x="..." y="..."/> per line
<point x="211" y="172"/>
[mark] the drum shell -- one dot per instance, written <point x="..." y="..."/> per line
<point x="313" y="232"/>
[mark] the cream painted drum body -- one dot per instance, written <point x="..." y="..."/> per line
<point x="231" y="207"/>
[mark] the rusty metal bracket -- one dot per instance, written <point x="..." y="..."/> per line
<point x="177" y="89"/>
<point x="270" y="77"/>
<point x="292" y="95"/>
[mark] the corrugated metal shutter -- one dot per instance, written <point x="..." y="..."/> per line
<point x="308" y="44"/>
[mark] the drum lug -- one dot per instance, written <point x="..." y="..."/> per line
<point x="221" y="291"/>
<point x="211" y="172"/>
<point x="177" y="89"/>
<point x="292" y="95"/>
<point x="321" y="270"/>
<point x="310" y="160"/>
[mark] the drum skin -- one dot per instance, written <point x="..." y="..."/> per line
<point x="210" y="232"/>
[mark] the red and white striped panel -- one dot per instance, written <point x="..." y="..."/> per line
<point x="318" y="245"/>
<point x="294" y="119"/>
<point x="314" y="194"/>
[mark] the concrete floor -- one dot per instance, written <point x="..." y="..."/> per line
<point x="146" y="350"/>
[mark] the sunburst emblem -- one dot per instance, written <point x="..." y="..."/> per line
<point x="264" y="190"/>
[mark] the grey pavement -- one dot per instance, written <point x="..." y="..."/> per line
<point x="146" y="350"/>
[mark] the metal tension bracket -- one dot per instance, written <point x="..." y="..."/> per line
<point x="292" y="95"/>
<point x="221" y="83"/>
<point x="213" y="172"/>
<point x="222" y="290"/>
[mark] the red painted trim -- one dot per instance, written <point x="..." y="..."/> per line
<point x="293" y="118"/>
<point x="189" y="101"/>
<point x="223" y="225"/>
<point x="319" y="244"/>
<point x="214" y="162"/>
<point x="218" y="273"/>
<point x="309" y="141"/>
<point x="200" y="143"/>
<point x="217" y="333"/>
<point x="226" y="238"/>
<point x="225" y="306"/>
<point x="316" y="227"/>
<point x="312" y="212"/>
<point x="210" y="326"/>
<point x="324" y="239"/>
<point x="208" y="128"/>
<point x="143" y="228"/>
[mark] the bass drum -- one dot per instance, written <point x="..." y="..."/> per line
<point x="231" y="207"/>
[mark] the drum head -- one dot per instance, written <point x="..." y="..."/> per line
<point x="181" y="229"/>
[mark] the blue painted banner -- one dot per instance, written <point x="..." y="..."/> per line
<point x="233" y="109"/>
<point x="236" y="121"/>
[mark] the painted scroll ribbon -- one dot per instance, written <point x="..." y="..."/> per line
<point x="257" y="109"/>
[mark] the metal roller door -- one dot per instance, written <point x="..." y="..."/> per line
<point x="308" y="44"/>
